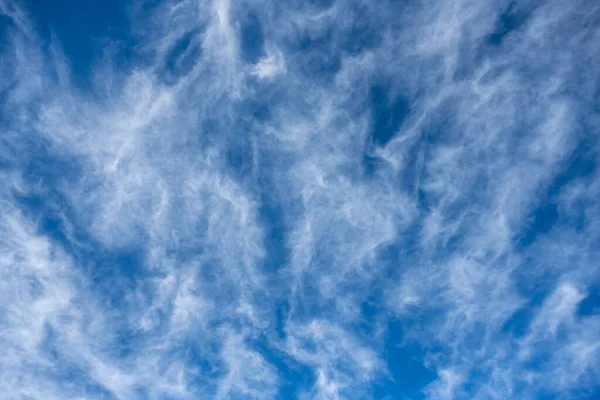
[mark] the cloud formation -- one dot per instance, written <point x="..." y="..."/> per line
<point x="335" y="199"/>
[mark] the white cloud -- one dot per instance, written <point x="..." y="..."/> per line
<point x="204" y="204"/>
<point x="270" y="65"/>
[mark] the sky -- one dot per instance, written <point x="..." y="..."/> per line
<point x="317" y="199"/>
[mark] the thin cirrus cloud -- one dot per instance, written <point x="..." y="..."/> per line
<point x="312" y="200"/>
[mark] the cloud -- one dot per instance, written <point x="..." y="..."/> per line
<point x="269" y="66"/>
<point x="341" y="363"/>
<point x="244" y="200"/>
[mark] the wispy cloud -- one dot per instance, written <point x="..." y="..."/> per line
<point x="252" y="200"/>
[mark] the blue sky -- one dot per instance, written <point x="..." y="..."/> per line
<point x="319" y="199"/>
